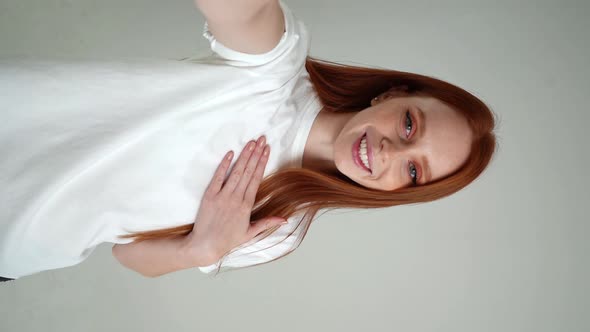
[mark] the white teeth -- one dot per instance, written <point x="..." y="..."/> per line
<point x="363" y="152"/>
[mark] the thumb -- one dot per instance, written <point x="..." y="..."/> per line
<point x="263" y="224"/>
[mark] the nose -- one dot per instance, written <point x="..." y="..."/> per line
<point x="394" y="149"/>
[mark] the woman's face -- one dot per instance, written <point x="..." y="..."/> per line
<point x="431" y="144"/>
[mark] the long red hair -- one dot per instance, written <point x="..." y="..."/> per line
<point x="346" y="88"/>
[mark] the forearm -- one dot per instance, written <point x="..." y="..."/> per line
<point x="153" y="258"/>
<point x="230" y="10"/>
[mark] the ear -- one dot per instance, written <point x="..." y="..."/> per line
<point x="396" y="91"/>
<point x="381" y="98"/>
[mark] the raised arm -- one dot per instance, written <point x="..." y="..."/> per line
<point x="247" y="26"/>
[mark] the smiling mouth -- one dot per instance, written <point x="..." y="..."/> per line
<point x="356" y="154"/>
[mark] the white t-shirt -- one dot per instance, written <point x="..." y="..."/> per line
<point x="94" y="149"/>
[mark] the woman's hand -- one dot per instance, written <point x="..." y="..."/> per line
<point x="223" y="220"/>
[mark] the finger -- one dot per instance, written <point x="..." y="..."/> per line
<point x="250" y="168"/>
<point x="252" y="189"/>
<point x="264" y="224"/>
<point x="219" y="176"/>
<point x="238" y="168"/>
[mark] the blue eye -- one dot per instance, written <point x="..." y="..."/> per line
<point x="409" y="124"/>
<point x="413" y="173"/>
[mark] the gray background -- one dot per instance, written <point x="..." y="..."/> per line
<point x="508" y="253"/>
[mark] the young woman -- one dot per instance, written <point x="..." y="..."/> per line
<point x="135" y="151"/>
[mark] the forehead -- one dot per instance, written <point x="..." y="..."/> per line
<point x="447" y="136"/>
<point x="427" y="104"/>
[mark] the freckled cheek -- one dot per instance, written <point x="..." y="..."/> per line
<point x="390" y="183"/>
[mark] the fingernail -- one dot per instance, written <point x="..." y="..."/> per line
<point x="261" y="141"/>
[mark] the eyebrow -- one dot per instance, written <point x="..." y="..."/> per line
<point x="425" y="167"/>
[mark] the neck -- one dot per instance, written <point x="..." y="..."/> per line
<point x="318" y="154"/>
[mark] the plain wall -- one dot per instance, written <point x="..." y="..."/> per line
<point x="508" y="253"/>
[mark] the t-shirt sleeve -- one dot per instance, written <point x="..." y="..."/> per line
<point x="258" y="251"/>
<point x="293" y="45"/>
